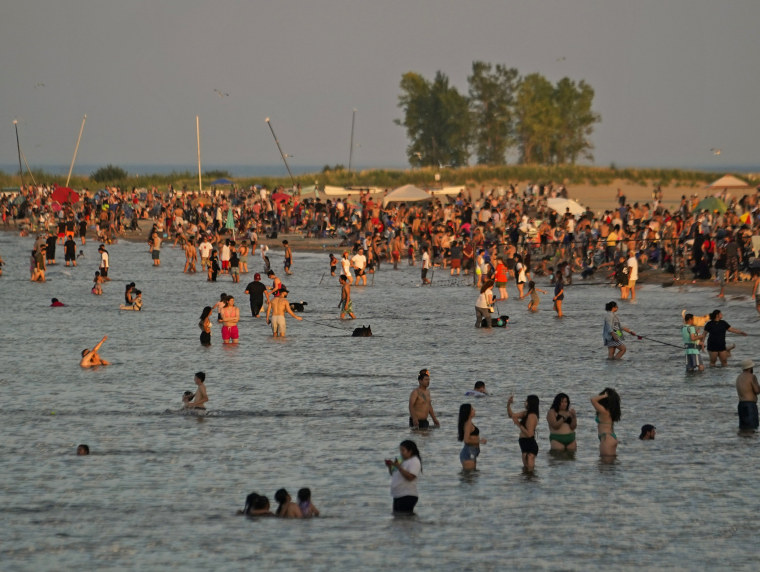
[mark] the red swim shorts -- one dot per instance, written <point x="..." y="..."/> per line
<point x="229" y="333"/>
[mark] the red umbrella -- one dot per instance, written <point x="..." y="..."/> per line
<point x="277" y="197"/>
<point x="65" y="195"/>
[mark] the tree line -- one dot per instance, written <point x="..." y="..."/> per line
<point x="502" y="114"/>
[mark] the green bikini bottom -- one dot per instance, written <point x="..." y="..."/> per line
<point x="565" y="439"/>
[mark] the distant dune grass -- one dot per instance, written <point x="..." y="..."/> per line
<point x="471" y="177"/>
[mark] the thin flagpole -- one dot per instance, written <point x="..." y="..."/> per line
<point x="284" y="160"/>
<point x="198" y="137"/>
<point x="76" y="150"/>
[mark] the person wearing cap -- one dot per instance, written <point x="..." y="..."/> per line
<point x="276" y="310"/>
<point x="256" y="290"/>
<point x="747" y="389"/>
<point x="648" y="432"/>
<point x="693" y="341"/>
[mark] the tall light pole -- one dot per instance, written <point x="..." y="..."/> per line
<point x="351" y="150"/>
<point x="18" y="147"/>
<point x="284" y="160"/>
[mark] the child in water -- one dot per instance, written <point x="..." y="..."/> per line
<point x="304" y="503"/>
<point x="533" y="295"/>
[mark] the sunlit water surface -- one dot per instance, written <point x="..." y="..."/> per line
<point x="322" y="409"/>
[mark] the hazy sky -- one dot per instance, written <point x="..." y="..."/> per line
<point x="673" y="78"/>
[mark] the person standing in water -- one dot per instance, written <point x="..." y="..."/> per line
<point x="470" y="437"/>
<point x="346" y="305"/>
<point x="276" y="310"/>
<point x="205" y="325"/>
<point x="527" y="421"/>
<point x="421" y="405"/>
<point x="562" y="423"/>
<point x="747" y="389"/>
<point x="612" y="332"/>
<point x="607" y="406"/>
<point x="404" y="475"/>
<point x="559" y="293"/>
<point x="230" y="318"/>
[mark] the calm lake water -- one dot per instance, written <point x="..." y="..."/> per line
<point x="322" y="409"/>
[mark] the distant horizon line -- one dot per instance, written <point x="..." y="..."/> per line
<point x="278" y="170"/>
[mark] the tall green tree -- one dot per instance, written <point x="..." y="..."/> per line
<point x="437" y="121"/>
<point x="576" y="121"/>
<point x="492" y="97"/>
<point x="537" y="119"/>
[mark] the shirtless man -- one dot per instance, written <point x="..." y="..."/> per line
<point x="200" y="397"/>
<point x="191" y="255"/>
<point x="420" y="404"/>
<point x="230" y="317"/>
<point x="345" y="305"/>
<point x="747" y="388"/>
<point x="91" y="358"/>
<point x="288" y="257"/>
<point x="276" y="309"/>
<point x="276" y="282"/>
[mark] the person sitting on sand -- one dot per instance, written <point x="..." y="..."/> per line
<point x="91" y="358"/>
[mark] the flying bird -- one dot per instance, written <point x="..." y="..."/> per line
<point x="716" y="151"/>
<point x="221" y="93"/>
<point x="562" y="59"/>
<point x="39" y="84"/>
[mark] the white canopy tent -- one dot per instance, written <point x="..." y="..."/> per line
<point x="406" y="194"/>
<point x="560" y="205"/>
<point x="729" y="182"/>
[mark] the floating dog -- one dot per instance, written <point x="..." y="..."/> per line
<point x="298" y="306"/>
<point x="362" y="332"/>
<point x="500" y="322"/>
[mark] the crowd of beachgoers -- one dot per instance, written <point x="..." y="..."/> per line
<point x="505" y="222"/>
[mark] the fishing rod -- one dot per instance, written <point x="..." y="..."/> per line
<point x="658" y="341"/>
<point x="326" y="325"/>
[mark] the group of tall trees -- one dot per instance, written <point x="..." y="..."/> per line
<point x="502" y="113"/>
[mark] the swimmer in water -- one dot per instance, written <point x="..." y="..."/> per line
<point x="91" y="358"/>
<point x="200" y="397"/>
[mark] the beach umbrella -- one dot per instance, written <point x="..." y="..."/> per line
<point x="65" y="195"/>
<point x="56" y="207"/>
<point x="277" y="197"/>
<point x="728" y="182"/>
<point x="19" y="200"/>
<point x="561" y="205"/>
<point x="746" y="218"/>
<point x="221" y="182"/>
<point x="711" y="204"/>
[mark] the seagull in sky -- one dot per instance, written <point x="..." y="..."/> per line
<point x="39" y="84"/>
<point x="562" y="59"/>
<point x="716" y="152"/>
<point x="221" y="94"/>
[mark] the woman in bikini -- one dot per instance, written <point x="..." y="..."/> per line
<point x="562" y="423"/>
<point x="526" y="420"/>
<point x="470" y="436"/>
<point x="607" y="405"/>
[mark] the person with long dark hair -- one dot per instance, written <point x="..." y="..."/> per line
<point x="205" y="325"/>
<point x="562" y="423"/>
<point x="286" y="508"/>
<point x="470" y="436"/>
<point x="559" y="292"/>
<point x="607" y="406"/>
<point x="526" y="420"/>
<point x="404" y="475"/>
